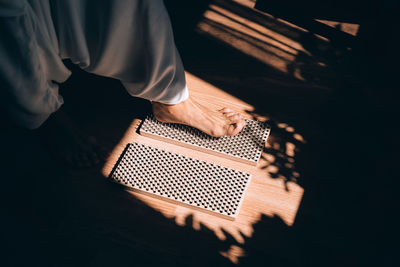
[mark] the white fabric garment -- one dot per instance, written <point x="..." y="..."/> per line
<point x="130" y="40"/>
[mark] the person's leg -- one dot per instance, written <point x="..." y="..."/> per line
<point x="132" y="41"/>
<point x="29" y="63"/>
<point x="30" y="68"/>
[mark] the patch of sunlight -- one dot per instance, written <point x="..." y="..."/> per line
<point x="233" y="253"/>
<point x="265" y="196"/>
<point x="271" y="47"/>
<point x="248" y="3"/>
<point x="350" y="28"/>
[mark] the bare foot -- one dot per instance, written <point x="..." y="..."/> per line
<point x="67" y="143"/>
<point x="189" y="112"/>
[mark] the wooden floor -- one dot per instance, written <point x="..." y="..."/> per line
<point x="265" y="195"/>
<point x="316" y="197"/>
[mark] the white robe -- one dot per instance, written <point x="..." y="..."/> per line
<point x="130" y="40"/>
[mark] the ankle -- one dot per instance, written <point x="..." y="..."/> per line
<point x="161" y="111"/>
<point x="167" y="108"/>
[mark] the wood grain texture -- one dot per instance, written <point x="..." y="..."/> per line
<point x="264" y="196"/>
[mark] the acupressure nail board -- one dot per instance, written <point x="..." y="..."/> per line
<point x="198" y="184"/>
<point x="246" y="146"/>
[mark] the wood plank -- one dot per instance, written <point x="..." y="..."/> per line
<point x="244" y="147"/>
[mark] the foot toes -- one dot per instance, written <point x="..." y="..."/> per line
<point x="226" y="110"/>
<point x="228" y="114"/>
<point x="235" y="117"/>
<point x="236" y="128"/>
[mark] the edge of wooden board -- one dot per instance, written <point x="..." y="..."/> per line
<point x="198" y="148"/>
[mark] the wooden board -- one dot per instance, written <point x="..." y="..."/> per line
<point x="181" y="180"/>
<point x="244" y="147"/>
